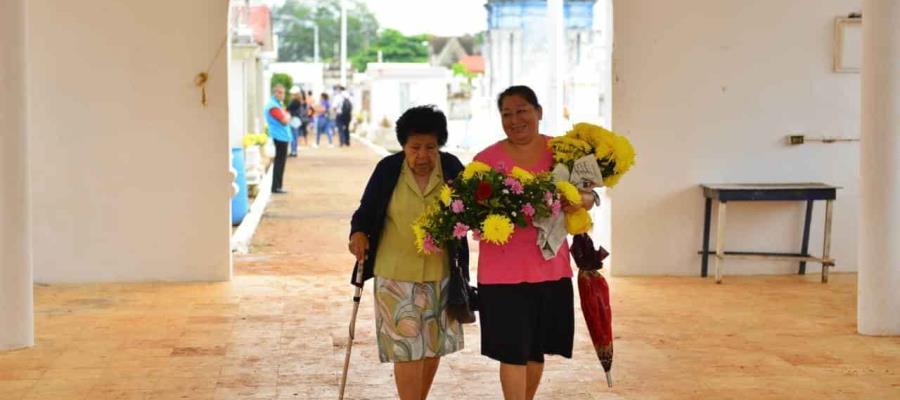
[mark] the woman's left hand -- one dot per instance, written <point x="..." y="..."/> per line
<point x="569" y="208"/>
<point x="587" y="201"/>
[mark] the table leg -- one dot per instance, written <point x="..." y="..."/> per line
<point x="804" y="249"/>
<point x="704" y="263"/>
<point x="720" y="239"/>
<point x="826" y="248"/>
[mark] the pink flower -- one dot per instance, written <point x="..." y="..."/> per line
<point x="476" y="234"/>
<point x="501" y="166"/>
<point x="514" y="185"/>
<point x="457" y="206"/>
<point x="548" y="198"/>
<point x="528" y="209"/>
<point x="556" y="207"/>
<point x="459" y="231"/>
<point x="429" y="245"/>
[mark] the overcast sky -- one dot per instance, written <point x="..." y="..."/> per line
<point x="439" y="17"/>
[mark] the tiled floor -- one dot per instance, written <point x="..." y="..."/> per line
<point x="278" y="330"/>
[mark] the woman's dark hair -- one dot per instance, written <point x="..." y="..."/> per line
<point x="522" y="91"/>
<point x="422" y="120"/>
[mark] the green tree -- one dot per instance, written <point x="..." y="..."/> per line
<point x="479" y="40"/>
<point x="394" y="47"/>
<point x="460" y="70"/>
<point x="296" y="39"/>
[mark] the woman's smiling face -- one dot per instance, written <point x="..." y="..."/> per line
<point x="520" y="118"/>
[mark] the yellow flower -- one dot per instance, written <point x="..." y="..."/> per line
<point x="578" y="222"/>
<point x="420" y="225"/>
<point x="496" y="229"/>
<point x="475" y="168"/>
<point x="521" y="174"/>
<point x="611" y="180"/>
<point x="624" y="154"/>
<point x="569" y="192"/>
<point x="253" y="139"/>
<point x="419" y="231"/>
<point x="446" y="195"/>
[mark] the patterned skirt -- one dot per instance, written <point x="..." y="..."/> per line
<point x="411" y="321"/>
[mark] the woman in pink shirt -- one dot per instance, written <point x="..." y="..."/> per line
<point x="526" y="304"/>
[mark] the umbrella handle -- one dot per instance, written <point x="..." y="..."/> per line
<point x="357" y="295"/>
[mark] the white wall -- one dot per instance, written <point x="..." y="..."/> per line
<point x="16" y="296"/>
<point x="238" y="110"/>
<point x="707" y="90"/>
<point x="306" y="74"/>
<point x="130" y="172"/>
<point x="398" y="86"/>
<point x="878" y="307"/>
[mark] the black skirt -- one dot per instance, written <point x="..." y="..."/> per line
<point x="522" y="322"/>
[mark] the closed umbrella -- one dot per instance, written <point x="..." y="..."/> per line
<point x="594" y="293"/>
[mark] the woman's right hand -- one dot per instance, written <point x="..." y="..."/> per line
<point x="359" y="245"/>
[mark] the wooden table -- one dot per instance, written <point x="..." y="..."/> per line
<point x="808" y="192"/>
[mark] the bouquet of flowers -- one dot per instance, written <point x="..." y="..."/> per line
<point x="590" y="156"/>
<point x="254" y="139"/>
<point x="490" y="203"/>
<point x="613" y="153"/>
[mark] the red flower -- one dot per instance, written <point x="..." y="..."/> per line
<point x="483" y="191"/>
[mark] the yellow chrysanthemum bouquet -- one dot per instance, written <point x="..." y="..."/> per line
<point x="488" y="202"/>
<point x="614" y="153"/>
<point x="575" y="152"/>
<point x="255" y="139"/>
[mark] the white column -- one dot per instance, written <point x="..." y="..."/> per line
<point x="16" y="298"/>
<point x="556" y="25"/>
<point x="316" y="43"/>
<point x="344" y="43"/>
<point x="879" y="252"/>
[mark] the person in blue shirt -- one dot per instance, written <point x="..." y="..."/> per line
<point x="278" y="119"/>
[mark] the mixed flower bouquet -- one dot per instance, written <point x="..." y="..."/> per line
<point x="490" y="203"/>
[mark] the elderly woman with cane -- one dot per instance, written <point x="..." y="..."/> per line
<point x="412" y="326"/>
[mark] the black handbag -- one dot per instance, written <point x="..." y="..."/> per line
<point x="462" y="299"/>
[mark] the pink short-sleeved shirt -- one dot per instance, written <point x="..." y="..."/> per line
<point x="520" y="259"/>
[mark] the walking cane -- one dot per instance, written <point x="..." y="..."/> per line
<point x="358" y="279"/>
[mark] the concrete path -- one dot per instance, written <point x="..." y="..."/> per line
<point x="278" y="330"/>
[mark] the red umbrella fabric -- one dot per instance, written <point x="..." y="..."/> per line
<point x="594" y="293"/>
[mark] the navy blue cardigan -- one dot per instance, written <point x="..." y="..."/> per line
<point x="369" y="217"/>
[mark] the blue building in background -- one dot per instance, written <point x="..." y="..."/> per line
<point x="519" y="14"/>
<point x="517" y="47"/>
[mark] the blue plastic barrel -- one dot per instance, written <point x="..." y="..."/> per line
<point x="240" y="203"/>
